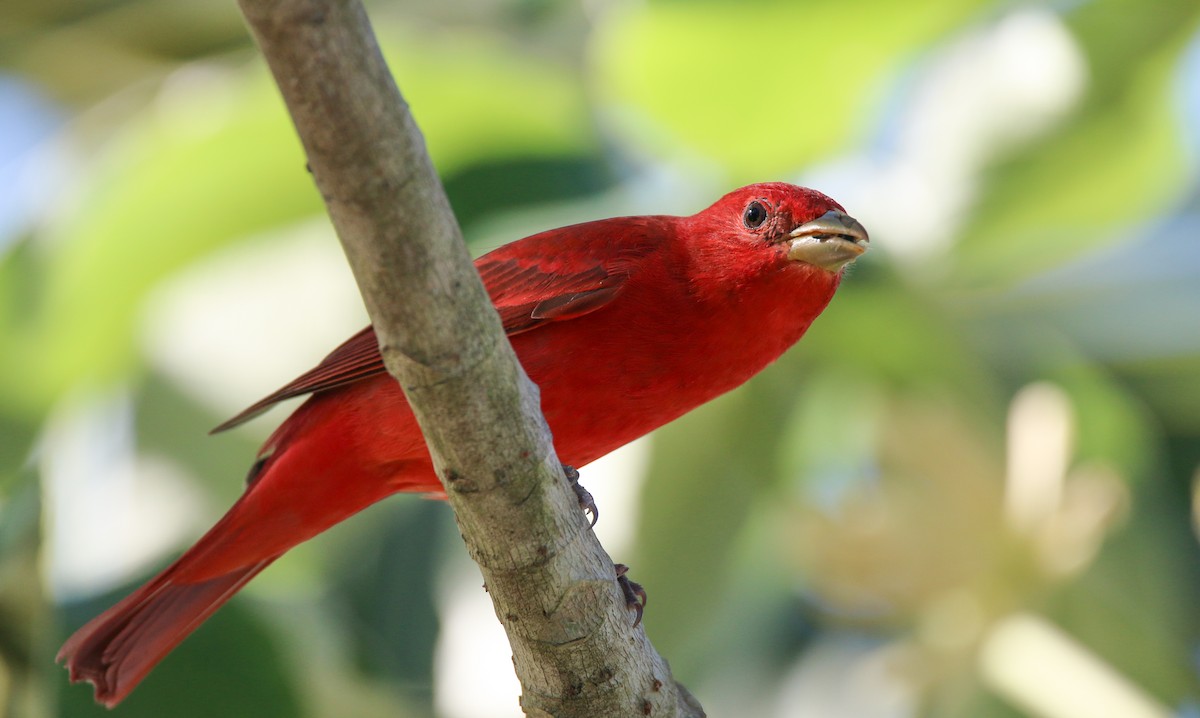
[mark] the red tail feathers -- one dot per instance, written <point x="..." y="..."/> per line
<point x="118" y="648"/>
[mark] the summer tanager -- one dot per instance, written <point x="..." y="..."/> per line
<point x="624" y="324"/>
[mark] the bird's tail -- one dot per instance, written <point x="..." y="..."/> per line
<point x="118" y="648"/>
<point x="313" y="473"/>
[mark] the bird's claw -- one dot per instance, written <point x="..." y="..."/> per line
<point x="586" y="502"/>
<point x="635" y="595"/>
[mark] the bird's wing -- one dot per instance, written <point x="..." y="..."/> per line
<point x="357" y="358"/>
<point x="549" y="277"/>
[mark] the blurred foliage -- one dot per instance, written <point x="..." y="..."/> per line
<point x="1117" y="161"/>
<point x="714" y="80"/>
<point x="847" y="516"/>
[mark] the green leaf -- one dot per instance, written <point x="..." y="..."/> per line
<point x="214" y="158"/>
<point x="1117" y="162"/>
<point x="883" y="330"/>
<point x="763" y="87"/>
<point x="230" y="666"/>
<point x="1136" y="606"/>
<point x="707" y="471"/>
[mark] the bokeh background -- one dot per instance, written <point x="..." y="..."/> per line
<point x="968" y="492"/>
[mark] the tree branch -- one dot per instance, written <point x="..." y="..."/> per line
<point x="551" y="582"/>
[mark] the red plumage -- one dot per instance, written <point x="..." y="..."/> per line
<point x="624" y="324"/>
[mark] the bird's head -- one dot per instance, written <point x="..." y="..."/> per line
<point x="796" y="223"/>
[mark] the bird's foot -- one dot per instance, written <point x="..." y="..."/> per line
<point x="635" y="595"/>
<point x="586" y="502"/>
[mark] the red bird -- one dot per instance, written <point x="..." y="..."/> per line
<point x="647" y="317"/>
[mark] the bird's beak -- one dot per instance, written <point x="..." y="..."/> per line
<point x="830" y="241"/>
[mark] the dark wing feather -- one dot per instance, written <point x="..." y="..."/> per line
<point x="527" y="291"/>
<point x="525" y="296"/>
<point x="357" y="358"/>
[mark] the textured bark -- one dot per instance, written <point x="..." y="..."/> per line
<point x="574" y="647"/>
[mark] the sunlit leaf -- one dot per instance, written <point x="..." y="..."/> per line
<point x="214" y="158"/>
<point x="1118" y="161"/>
<point x="762" y="88"/>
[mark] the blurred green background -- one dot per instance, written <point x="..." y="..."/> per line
<point x="968" y="492"/>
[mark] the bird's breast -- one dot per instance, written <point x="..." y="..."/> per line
<point x="617" y="374"/>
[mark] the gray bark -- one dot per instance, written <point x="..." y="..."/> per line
<point x="574" y="647"/>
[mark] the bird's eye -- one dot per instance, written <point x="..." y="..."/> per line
<point x="755" y="215"/>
